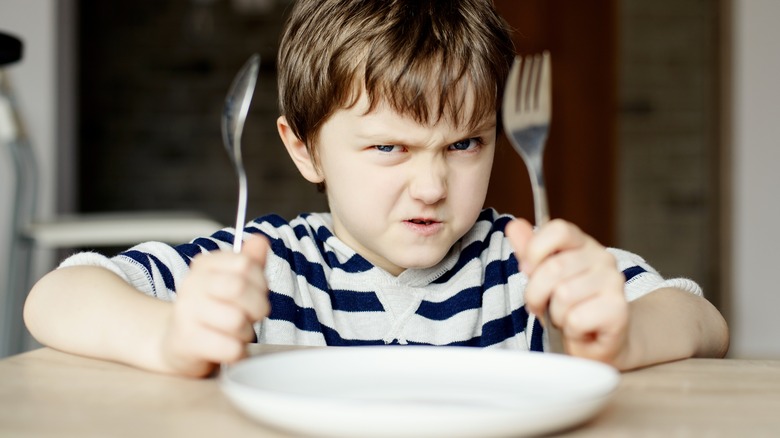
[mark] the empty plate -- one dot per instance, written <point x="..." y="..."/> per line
<point x="418" y="391"/>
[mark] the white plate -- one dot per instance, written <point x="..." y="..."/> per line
<point x="418" y="391"/>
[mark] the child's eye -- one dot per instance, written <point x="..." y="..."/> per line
<point x="465" y="145"/>
<point x="387" y="148"/>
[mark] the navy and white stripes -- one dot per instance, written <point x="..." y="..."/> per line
<point x="323" y="293"/>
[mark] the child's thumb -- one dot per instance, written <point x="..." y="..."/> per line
<point x="256" y="247"/>
<point x="519" y="232"/>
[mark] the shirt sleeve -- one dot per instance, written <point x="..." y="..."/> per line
<point x="642" y="279"/>
<point x="153" y="268"/>
<point x="89" y="258"/>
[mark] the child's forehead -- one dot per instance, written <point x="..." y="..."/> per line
<point x="459" y="105"/>
<point x="382" y="124"/>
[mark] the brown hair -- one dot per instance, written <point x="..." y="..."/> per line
<point x="396" y="51"/>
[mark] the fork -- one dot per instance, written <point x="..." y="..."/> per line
<point x="526" y="109"/>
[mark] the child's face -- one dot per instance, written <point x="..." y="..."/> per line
<point x="401" y="193"/>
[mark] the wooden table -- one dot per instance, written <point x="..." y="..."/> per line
<point x="48" y="393"/>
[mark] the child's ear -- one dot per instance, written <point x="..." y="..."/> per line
<point x="298" y="152"/>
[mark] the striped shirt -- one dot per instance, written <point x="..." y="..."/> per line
<point x="323" y="293"/>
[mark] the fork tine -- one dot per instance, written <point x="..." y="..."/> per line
<point x="526" y="82"/>
<point x="509" y="106"/>
<point x="545" y="91"/>
<point x="535" y="68"/>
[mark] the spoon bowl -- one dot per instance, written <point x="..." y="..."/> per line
<point x="233" y="117"/>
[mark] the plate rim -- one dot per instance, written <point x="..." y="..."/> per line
<point x="595" y="401"/>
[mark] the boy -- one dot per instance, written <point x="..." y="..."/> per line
<point x="390" y="107"/>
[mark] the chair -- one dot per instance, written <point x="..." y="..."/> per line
<point x="74" y="231"/>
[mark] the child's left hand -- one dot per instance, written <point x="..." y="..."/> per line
<point x="579" y="278"/>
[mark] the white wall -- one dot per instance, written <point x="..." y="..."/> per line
<point x="755" y="323"/>
<point x="34" y="85"/>
<point x="34" y="81"/>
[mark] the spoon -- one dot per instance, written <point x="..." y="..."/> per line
<point x="233" y="117"/>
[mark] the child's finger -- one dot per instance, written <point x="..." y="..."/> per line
<point x="220" y="262"/>
<point x="246" y="291"/>
<point x="596" y="329"/>
<point x="256" y="247"/>
<point x="553" y="274"/>
<point x="571" y="293"/>
<point x="555" y="236"/>
<point x="255" y="300"/>
<point x="225" y="318"/>
<point x="215" y="346"/>
<point x="519" y="232"/>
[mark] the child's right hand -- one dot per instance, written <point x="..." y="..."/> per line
<point x="218" y="302"/>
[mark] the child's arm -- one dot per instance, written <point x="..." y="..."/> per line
<point x="670" y="324"/>
<point x="91" y="311"/>
<point x="580" y="280"/>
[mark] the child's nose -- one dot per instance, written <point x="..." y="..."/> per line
<point x="429" y="182"/>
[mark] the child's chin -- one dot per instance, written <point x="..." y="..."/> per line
<point x="423" y="262"/>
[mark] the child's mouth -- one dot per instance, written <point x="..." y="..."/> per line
<point x="421" y="221"/>
<point x="423" y="226"/>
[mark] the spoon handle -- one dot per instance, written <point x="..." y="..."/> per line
<point x="241" y="213"/>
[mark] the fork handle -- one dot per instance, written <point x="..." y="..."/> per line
<point x="541" y="209"/>
<point x="542" y="215"/>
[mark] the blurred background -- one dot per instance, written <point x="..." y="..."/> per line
<point x="664" y="134"/>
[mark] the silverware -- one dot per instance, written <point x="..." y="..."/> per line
<point x="233" y="117"/>
<point x="526" y="109"/>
